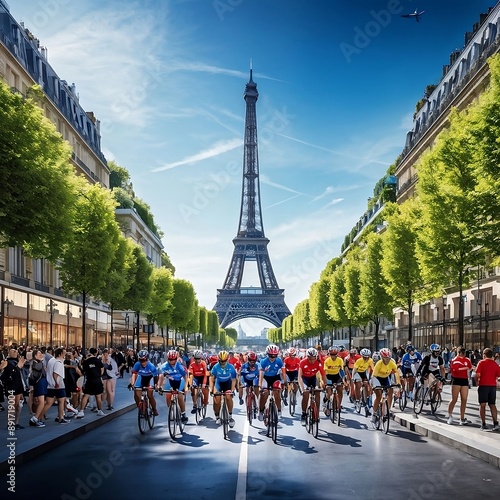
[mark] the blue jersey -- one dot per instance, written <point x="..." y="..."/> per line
<point x="173" y="372"/>
<point x="223" y="373"/>
<point x="250" y="374"/>
<point x="271" y="368"/>
<point x="145" y="371"/>
<point x="408" y="360"/>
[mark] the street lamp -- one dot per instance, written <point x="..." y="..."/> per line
<point x="51" y="309"/>
<point x="68" y="316"/>
<point x="127" y="324"/>
<point x="445" y="307"/>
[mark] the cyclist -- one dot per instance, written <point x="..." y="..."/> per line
<point x="334" y="371"/>
<point x="382" y="378"/>
<point x="223" y="379"/>
<point x="235" y="361"/>
<point x="142" y="373"/>
<point x="349" y="365"/>
<point x="308" y="369"/>
<point x="212" y="361"/>
<point x="432" y="363"/>
<point x="272" y="369"/>
<point x="409" y="365"/>
<point x="174" y="372"/>
<point x="198" y="376"/>
<point x="361" y="372"/>
<point x="291" y="363"/>
<point x="249" y="374"/>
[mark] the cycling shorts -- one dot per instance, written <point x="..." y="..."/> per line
<point x="291" y="376"/>
<point x="334" y="379"/>
<point x="269" y="380"/>
<point x="309" y="381"/>
<point x="198" y="380"/>
<point x="176" y="385"/>
<point x="222" y="385"/>
<point x="360" y="376"/>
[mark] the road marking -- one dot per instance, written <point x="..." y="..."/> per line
<point x="241" y="485"/>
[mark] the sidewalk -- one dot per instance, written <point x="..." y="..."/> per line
<point x="466" y="438"/>
<point x="30" y="442"/>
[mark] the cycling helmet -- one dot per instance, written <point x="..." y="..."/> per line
<point x="409" y="348"/>
<point x="276" y="384"/>
<point x="292" y="351"/>
<point x="272" y="350"/>
<point x="435" y="348"/>
<point x="341" y="348"/>
<point x="252" y="356"/>
<point x="333" y="350"/>
<point x="172" y="354"/>
<point x="213" y="359"/>
<point x="366" y="353"/>
<point x="312" y="352"/>
<point x="376" y="356"/>
<point x="142" y="355"/>
<point x="223" y="355"/>
<point x="385" y="353"/>
<point x="353" y="351"/>
<point x="197" y="354"/>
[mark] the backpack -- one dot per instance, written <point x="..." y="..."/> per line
<point x="36" y="373"/>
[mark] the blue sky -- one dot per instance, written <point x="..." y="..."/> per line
<point x="338" y="83"/>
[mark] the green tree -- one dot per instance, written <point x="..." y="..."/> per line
<point x="93" y="244"/>
<point x="37" y="179"/>
<point x="318" y="306"/>
<point x="160" y="306"/>
<point x="400" y="265"/>
<point x="375" y="302"/>
<point x="451" y="236"/>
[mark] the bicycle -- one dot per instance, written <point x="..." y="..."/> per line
<point x="224" y="412"/>
<point x="383" y="415"/>
<point x="201" y="409"/>
<point x="312" y="412"/>
<point x="363" y="402"/>
<point x="292" y="403"/>
<point x="431" y="394"/>
<point x="145" y="414"/>
<point x="271" y="416"/>
<point x="174" y="414"/>
<point x="333" y="408"/>
<point x="251" y="403"/>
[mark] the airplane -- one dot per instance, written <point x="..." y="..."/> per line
<point x="415" y="14"/>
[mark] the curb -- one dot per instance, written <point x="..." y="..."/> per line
<point x="36" y="451"/>
<point x="449" y="437"/>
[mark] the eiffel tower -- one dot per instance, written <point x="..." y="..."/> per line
<point x="235" y="302"/>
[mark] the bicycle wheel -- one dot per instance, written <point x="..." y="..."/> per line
<point x="172" y="419"/>
<point x="403" y="400"/>
<point x="435" y="398"/>
<point x="358" y="404"/>
<point x="273" y="419"/>
<point x="309" y="419"/>
<point x="315" y="420"/>
<point x="142" y="420"/>
<point x="180" y="423"/>
<point x="151" y="417"/>
<point x="199" y="407"/>
<point x="225" y="419"/>
<point x="292" y="404"/>
<point x="250" y="405"/>
<point x="386" y="417"/>
<point x="418" y="399"/>
<point x="332" y="402"/>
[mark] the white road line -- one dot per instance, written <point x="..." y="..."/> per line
<point x="241" y="485"/>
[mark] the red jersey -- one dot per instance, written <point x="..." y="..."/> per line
<point x="310" y="369"/>
<point x="457" y="365"/>
<point x="343" y="354"/>
<point x="198" y="369"/>
<point x="291" y="363"/>
<point x="235" y="362"/>
<point x="351" y="359"/>
<point x="489" y="371"/>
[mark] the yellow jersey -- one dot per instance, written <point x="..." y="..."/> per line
<point x="361" y="365"/>
<point x="384" y="370"/>
<point x="333" y="366"/>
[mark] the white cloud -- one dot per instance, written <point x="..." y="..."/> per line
<point x="216" y="150"/>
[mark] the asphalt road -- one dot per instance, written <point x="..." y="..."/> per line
<point x="115" y="462"/>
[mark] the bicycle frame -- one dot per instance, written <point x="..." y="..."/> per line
<point x="145" y="415"/>
<point x="174" y="414"/>
<point x="382" y="414"/>
<point x="271" y="415"/>
<point x="251" y="403"/>
<point x="312" y="412"/>
<point x="224" y="412"/>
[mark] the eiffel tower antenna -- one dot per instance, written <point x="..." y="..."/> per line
<point x="235" y="302"/>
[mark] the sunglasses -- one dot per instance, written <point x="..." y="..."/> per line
<point x="273" y="356"/>
<point x="197" y="359"/>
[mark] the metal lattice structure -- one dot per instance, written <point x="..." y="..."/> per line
<point x="235" y="302"/>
